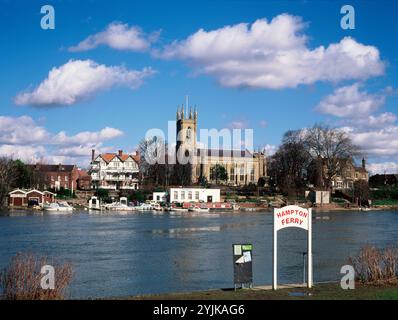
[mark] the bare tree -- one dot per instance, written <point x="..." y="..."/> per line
<point x="287" y="167"/>
<point x="330" y="148"/>
<point x="8" y="178"/>
<point x="154" y="163"/>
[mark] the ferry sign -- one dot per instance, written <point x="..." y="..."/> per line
<point x="291" y="216"/>
<point x="286" y="217"/>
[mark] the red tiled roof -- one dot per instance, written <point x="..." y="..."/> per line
<point x="108" y="157"/>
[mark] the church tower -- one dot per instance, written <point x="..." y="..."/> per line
<point x="186" y="130"/>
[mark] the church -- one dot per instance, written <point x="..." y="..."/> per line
<point x="243" y="167"/>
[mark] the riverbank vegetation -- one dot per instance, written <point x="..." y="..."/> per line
<point x="21" y="279"/>
<point x="373" y="265"/>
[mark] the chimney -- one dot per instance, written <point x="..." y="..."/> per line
<point x="363" y="163"/>
<point x="120" y="153"/>
<point x="92" y="154"/>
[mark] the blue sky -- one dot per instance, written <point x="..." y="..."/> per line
<point x="225" y="96"/>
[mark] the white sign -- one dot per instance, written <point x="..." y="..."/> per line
<point x="287" y="217"/>
<point x="291" y="216"/>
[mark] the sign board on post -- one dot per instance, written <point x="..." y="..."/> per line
<point x="292" y="216"/>
<point x="243" y="266"/>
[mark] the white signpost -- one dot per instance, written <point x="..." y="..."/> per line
<point x="292" y="216"/>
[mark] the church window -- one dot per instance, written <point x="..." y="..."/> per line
<point x="189" y="133"/>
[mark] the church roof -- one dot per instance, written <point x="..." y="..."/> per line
<point x="225" y="153"/>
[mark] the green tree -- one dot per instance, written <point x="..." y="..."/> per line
<point x="218" y="173"/>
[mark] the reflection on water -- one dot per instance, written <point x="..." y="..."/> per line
<point x="128" y="254"/>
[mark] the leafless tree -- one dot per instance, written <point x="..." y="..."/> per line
<point x="330" y="148"/>
<point x="287" y="167"/>
<point x="7" y="178"/>
<point x="154" y="163"/>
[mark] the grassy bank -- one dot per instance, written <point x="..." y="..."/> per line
<point x="329" y="291"/>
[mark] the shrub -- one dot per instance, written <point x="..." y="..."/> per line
<point x="373" y="265"/>
<point x="21" y="279"/>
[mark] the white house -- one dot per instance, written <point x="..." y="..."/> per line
<point x="194" y="195"/>
<point x="159" y="196"/>
<point x="114" y="171"/>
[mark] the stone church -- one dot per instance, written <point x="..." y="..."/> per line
<point x="243" y="167"/>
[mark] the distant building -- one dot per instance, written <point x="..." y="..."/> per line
<point x="159" y="196"/>
<point x="84" y="180"/>
<point x="243" y="167"/>
<point x="25" y="198"/>
<point x="193" y="195"/>
<point x="114" y="171"/>
<point x="55" y="176"/>
<point x="344" y="179"/>
<point x="379" y="180"/>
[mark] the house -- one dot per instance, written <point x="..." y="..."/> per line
<point x="159" y="196"/>
<point x="194" y="195"/>
<point x="379" y="180"/>
<point x="55" y="176"/>
<point x="25" y="198"/>
<point x="84" y="180"/>
<point x="347" y="173"/>
<point x="114" y="171"/>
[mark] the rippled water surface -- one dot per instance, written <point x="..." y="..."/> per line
<point x="119" y="254"/>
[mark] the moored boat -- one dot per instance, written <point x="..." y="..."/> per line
<point x="58" y="207"/>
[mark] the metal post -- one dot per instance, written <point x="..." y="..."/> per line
<point x="274" y="260"/>
<point x="309" y="248"/>
<point x="304" y="254"/>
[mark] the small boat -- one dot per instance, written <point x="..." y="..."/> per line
<point x="118" y="206"/>
<point x="196" y="209"/>
<point x="58" y="207"/>
<point x="143" y="206"/>
<point x="176" y="209"/>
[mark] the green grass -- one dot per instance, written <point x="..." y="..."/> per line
<point x="328" y="291"/>
<point x="385" y="202"/>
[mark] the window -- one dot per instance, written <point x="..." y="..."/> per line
<point x="182" y="195"/>
<point x="189" y="195"/>
<point x="242" y="172"/>
<point x="252" y="175"/>
<point x="232" y="174"/>
<point x="66" y="178"/>
<point x="196" y="195"/>
<point x="175" y="195"/>
<point x="59" y="178"/>
<point x="52" y="178"/>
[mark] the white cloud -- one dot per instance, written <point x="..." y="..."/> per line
<point x="238" y="124"/>
<point x="270" y="149"/>
<point x="384" y="167"/>
<point x="88" y="137"/>
<point x="120" y="37"/>
<point x="27" y="153"/>
<point x="349" y="101"/>
<point x="272" y="55"/>
<point x="382" y="142"/>
<point x="21" y="130"/>
<point x="77" y="80"/>
<point x="263" y="123"/>
<point x="373" y="122"/>
<point x="22" y="138"/>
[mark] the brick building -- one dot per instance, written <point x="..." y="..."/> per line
<point x="55" y="176"/>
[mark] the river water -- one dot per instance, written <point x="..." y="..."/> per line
<point x="141" y="253"/>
